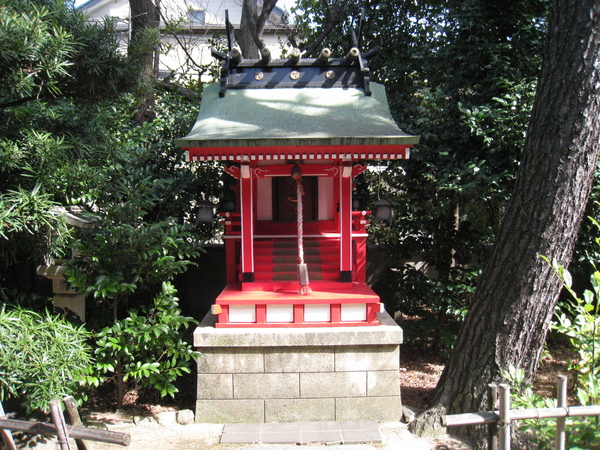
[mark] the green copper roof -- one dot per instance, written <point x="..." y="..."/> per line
<point x="294" y="117"/>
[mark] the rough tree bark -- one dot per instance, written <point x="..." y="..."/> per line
<point x="508" y="321"/>
<point x="145" y="18"/>
<point x="252" y="25"/>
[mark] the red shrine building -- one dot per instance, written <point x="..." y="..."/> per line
<point x="294" y="134"/>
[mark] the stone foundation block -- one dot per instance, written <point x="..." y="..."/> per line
<point x="266" y="385"/>
<point x="353" y="358"/>
<point x="294" y="375"/>
<point x="230" y="411"/>
<point x="215" y="386"/>
<point x="298" y="410"/>
<point x="299" y="359"/>
<point x="231" y="360"/>
<point x="333" y="384"/>
<point x="383" y="383"/>
<point x="380" y="409"/>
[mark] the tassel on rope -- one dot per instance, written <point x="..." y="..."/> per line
<point x="302" y="267"/>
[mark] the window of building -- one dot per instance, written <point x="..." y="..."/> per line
<point x="197" y="16"/>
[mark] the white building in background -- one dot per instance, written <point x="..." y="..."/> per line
<point x="199" y="23"/>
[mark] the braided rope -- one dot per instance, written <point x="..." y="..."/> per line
<point x="300" y="220"/>
<point x="302" y="268"/>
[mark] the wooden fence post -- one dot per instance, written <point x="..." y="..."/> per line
<point x="7" y="437"/>
<point x="49" y="429"/>
<point x="504" y="424"/>
<point x="59" y="422"/>
<point x="492" y="428"/>
<point x="74" y="419"/>
<point x="561" y="402"/>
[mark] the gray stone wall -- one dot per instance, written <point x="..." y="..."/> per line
<point x="290" y="375"/>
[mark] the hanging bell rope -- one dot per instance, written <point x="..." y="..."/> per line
<point x="302" y="267"/>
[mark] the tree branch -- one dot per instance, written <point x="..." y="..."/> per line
<point x="188" y="94"/>
<point x="336" y="14"/>
<point x="181" y="44"/>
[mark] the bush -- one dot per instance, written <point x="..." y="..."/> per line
<point x="42" y="357"/>
<point x="581" y="325"/>
<point x="146" y="347"/>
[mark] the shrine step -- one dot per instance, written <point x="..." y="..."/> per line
<point x="269" y="258"/>
<point x="276" y="261"/>
<point x="293" y="243"/>
<point x="293" y="286"/>
<point x="293" y="276"/>
<point x="292" y="266"/>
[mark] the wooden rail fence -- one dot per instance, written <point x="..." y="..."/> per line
<point x="500" y="417"/>
<point x="60" y="428"/>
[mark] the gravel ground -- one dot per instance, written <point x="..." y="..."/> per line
<point x="152" y="436"/>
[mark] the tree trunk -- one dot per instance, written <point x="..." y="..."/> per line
<point x="513" y="306"/>
<point x="120" y="383"/>
<point x="145" y="20"/>
<point x="252" y="25"/>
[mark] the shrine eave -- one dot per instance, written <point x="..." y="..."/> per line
<point x="286" y="123"/>
<point x="299" y="152"/>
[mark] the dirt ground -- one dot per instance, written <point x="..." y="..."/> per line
<point x="420" y="371"/>
<point x="419" y="376"/>
<point x="395" y="435"/>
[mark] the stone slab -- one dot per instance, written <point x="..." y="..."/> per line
<point x="303" y="433"/>
<point x="387" y="333"/>
<point x="75" y="303"/>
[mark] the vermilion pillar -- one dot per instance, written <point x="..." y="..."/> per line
<point x="346" y="224"/>
<point x="247" y="222"/>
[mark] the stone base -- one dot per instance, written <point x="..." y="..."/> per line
<point x="292" y="374"/>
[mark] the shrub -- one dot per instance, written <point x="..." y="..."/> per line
<point x="146" y="347"/>
<point x="581" y="324"/>
<point x="42" y="357"/>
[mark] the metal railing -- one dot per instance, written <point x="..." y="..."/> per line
<point x="500" y="417"/>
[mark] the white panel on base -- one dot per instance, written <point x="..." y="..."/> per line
<point x="317" y="313"/>
<point x="242" y="313"/>
<point x="280" y="313"/>
<point x="353" y="312"/>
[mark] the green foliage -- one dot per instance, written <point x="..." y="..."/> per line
<point x="441" y="306"/>
<point x="462" y="75"/>
<point x="135" y="243"/>
<point x="34" y="50"/>
<point x="30" y="217"/>
<point x="42" y="357"/>
<point x="581" y="432"/>
<point x="541" y="432"/>
<point x="580" y="322"/>
<point x="146" y="347"/>
<point x="115" y="258"/>
<point x="68" y="136"/>
<point x="135" y="246"/>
